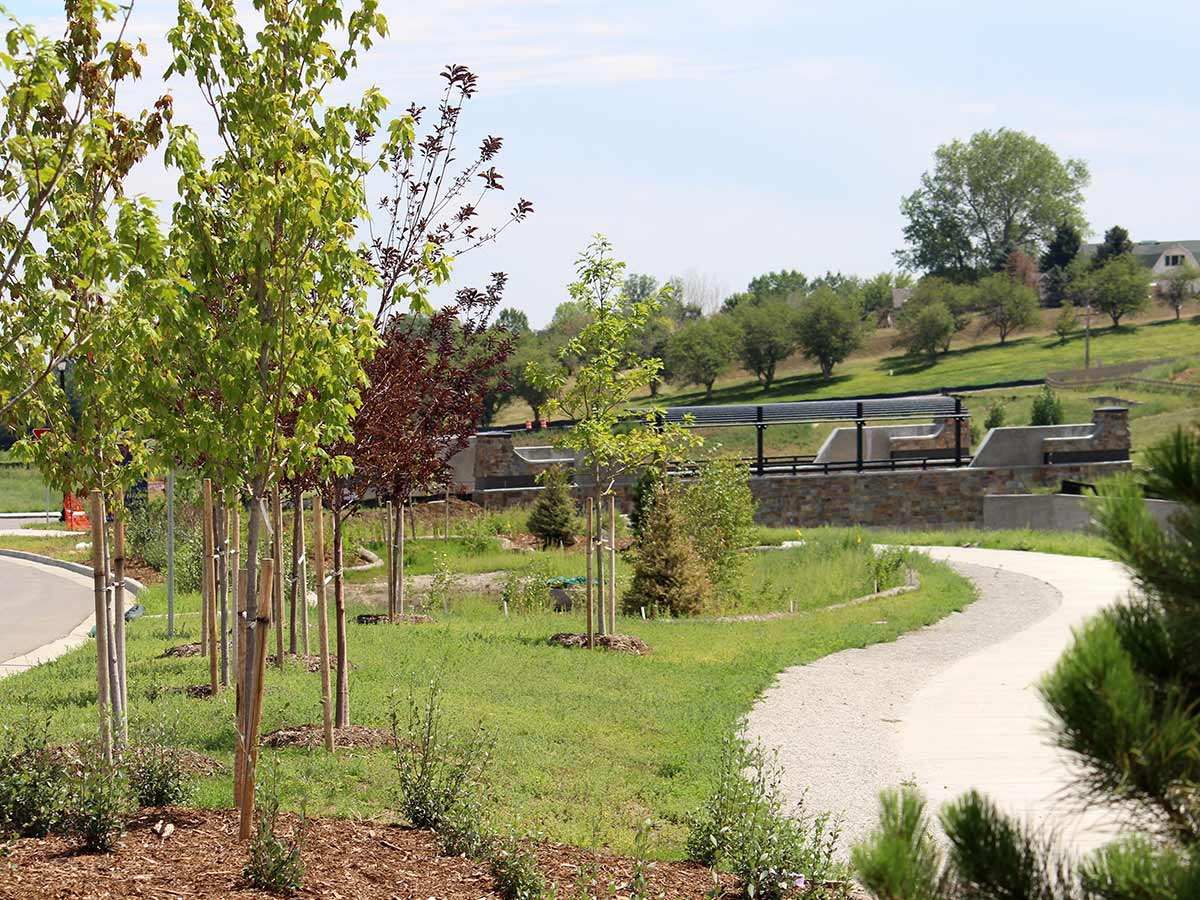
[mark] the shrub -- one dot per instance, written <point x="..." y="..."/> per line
<point x="275" y="862"/>
<point x="465" y="830"/>
<point x="1066" y="321"/>
<point x="744" y="828"/>
<point x="155" y="768"/>
<point x="552" y="519"/>
<point x="101" y="802"/>
<point x="146" y="534"/>
<point x="437" y="772"/>
<point x="669" y="577"/>
<point x="995" y="416"/>
<point x="515" y="871"/>
<point x="885" y="568"/>
<point x="441" y="585"/>
<point x="1047" y="408"/>
<point x="525" y="590"/>
<point x="34" y="787"/>
<point x="652" y="478"/>
<point x="718" y="510"/>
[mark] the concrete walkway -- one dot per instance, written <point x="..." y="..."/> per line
<point x="950" y="707"/>
<point x="46" y="612"/>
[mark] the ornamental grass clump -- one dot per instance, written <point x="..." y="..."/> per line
<point x="669" y="577"/>
<point x="1124" y="701"/>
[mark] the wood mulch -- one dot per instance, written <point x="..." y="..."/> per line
<point x="385" y="619"/>
<point x="193" y="691"/>
<point x="310" y="661"/>
<point x="344" y="860"/>
<point x="352" y="736"/>
<point x="182" y="650"/>
<point x="620" y="643"/>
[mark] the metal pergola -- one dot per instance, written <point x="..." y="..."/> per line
<point x="931" y="406"/>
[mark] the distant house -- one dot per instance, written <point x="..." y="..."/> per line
<point x="1160" y="257"/>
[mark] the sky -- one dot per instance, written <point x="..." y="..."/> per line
<point x="719" y="139"/>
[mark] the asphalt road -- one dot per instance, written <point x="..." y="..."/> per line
<point x="39" y="604"/>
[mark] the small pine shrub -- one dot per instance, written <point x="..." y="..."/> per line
<point x="744" y="828"/>
<point x="101" y="802"/>
<point x="669" y="578"/>
<point x="515" y="871"/>
<point x="275" y="862"/>
<point x="437" y="773"/>
<point x="552" y="520"/>
<point x="34" y="784"/>
<point x="1047" y="408"/>
<point x="995" y="416"/>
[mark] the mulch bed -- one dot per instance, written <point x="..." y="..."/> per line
<point x="352" y="736"/>
<point x="311" y="661"/>
<point x="194" y="691"/>
<point x="202" y="858"/>
<point x="181" y="650"/>
<point x="385" y="619"/>
<point x="620" y="643"/>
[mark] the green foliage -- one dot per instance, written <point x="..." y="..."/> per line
<point x="766" y="337"/>
<point x="1063" y="247"/>
<point x="515" y="872"/>
<point x="998" y="190"/>
<point x="34" y="784"/>
<point x="1116" y="243"/>
<point x="275" y="863"/>
<point x="886" y="568"/>
<point x="1118" y="288"/>
<point x="648" y="485"/>
<point x="1047" y="408"/>
<point x="744" y="828"/>
<point x="525" y="590"/>
<point x="1007" y="305"/>
<point x="995" y="416"/>
<point x="828" y="328"/>
<point x="1067" y="321"/>
<point x="101" y="801"/>
<point x="1178" y="286"/>
<point x="552" y="520"/>
<point x="718" y="513"/>
<point x="436" y="771"/>
<point x="925" y="329"/>
<point x="155" y="766"/>
<point x="900" y="859"/>
<point x="146" y="534"/>
<point x="669" y="577"/>
<point x="701" y="352"/>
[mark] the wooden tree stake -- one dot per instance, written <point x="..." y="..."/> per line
<point x="100" y="589"/>
<point x="262" y="629"/>
<point x="241" y="630"/>
<point x="210" y="586"/>
<point x="122" y="725"/>
<point x="391" y="563"/>
<point x="296" y="591"/>
<point x="277" y="552"/>
<point x="591" y="634"/>
<point x="322" y="618"/>
<point x="303" y="576"/>
<point x="612" y="562"/>
<point x="237" y="590"/>
<point x="399" y="535"/>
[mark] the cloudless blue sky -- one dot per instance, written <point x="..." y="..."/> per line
<point x="722" y="139"/>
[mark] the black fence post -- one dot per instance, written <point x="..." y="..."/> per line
<point x="958" y="448"/>
<point x="760" y="428"/>
<point x="859" y="426"/>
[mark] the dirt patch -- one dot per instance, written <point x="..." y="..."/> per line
<point x="374" y="593"/>
<point x="181" y="651"/>
<point x="194" y="691"/>
<point x="620" y="643"/>
<point x="356" y="736"/>
<point x="311" y="661"/>
<point x="140" y="570"/>
<point x="202" y="858"/>
<point x="385" y="619"/>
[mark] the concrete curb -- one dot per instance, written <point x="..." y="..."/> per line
<point x="78" y="635"/>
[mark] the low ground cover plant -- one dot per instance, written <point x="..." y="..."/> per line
<point x="101" y="801"/>
<point x="34" y="783"/>
<point x="275" y="862"/>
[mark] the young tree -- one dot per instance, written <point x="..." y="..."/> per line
<point x="669" y="577"/>
<point x="1119" y="287"/>
<point x="68" y="233"/>
<point x="1116" y="243"/>
<point x="925" y="329"/>
<point x="1046" y="408"/>
<point x="828" y="328"/>
<point x="1123" y="700"/>
<point x="552" y="519"/>
<point x="702" y="352"/>
<point x="718" y="512"/>
<point x="1005" y="304"/>
<point x="877" y="292"/>
<point x="767" y="336"/>
<point x="998" y="190"/>
<point x="1179" y="286"/>
<point x="1066" y="322"/>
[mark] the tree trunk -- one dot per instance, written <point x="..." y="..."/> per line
<point x="100" y="591"/>
<point x="322" y="617"/>
<point x="398" y="552"/>
<point x="122" y="725"/>
<point x="708" y="389"/>
<point x="597" y="539"/>
<point x="277" y="585"/>
<point x="342" y="711"/>
<point x="253" y="531"/>
<point x="210" y="587"/>
<point x="221" y="528"/>
<point x="391" y="561"/>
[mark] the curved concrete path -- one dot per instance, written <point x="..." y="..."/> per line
<point x="950" y="707"/>
<point x="45" y="610"/>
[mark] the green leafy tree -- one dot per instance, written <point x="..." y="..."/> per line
<point x="936" y="311"/>
<point x="640" y="287"/>
<point x="1179" y="286"/>
<point x="1116" y="243"/>
<point x="876" y="291"/>
<point x="718" y="512"/>
<point x="767" y="337"/>
<point x="552" y="519"/>
<point x="533" y="355"/>
<point x="998" y="190"/>
<point x="702" y="352"/>
<point x="1118" y="288"/>
<point x="781" y="285"/>
<point x="514" y="321"/>
<point x="1005" y="304"/>
<point x="828" y="328"/>
<point x="1125" y="706"/>
<point x="1047" y="408"/>
<point x="650" y="342"/>
<point x="1066" y="322"/>
<point x="669" y="577"/>
<point x="69" y="235"/>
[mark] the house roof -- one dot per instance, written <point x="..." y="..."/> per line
<point x="1148" y="252"/>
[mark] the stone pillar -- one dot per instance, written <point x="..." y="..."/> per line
<point x="494" y="455"/>
<point x="1111" y="428"/>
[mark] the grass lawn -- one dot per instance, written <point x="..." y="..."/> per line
<point x="588" y="744"/>
<point x="22" y="490"/>
<point x="1067" y="543"/>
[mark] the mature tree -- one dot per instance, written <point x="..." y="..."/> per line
<point x="996" y="191"/>
<point x="1020" y="267"/>
<point x="650" y="342"/>
<point x="552" y="519"/>
<point x="702" y="352"/>
<point x="514" y="321"/>
<point x="1118" y="288"/>
<point x="876" y="292"/>
<point x="68" y="234"/>
<point x="1125" y="707"/>
<point x="1116" y="243"/>
<point x="640" y="287"/>
<point x="533" y="355"/>
<point x="767" y="336"/>
<point x="828" y="328"/>
<point x="780" y="285"/>
<point x="1005" y="304"/>
<point x="925" y="328"/>
<point x="1179" y="286"/>
<point x="1063" y="247"/>
<point x="848" y="287"/>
